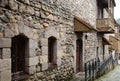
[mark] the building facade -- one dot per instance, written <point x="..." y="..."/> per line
<point x="52" y="39"/>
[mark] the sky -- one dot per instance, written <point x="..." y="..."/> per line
<point x="117" y="9"/>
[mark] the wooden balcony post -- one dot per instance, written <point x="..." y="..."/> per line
<point x="109" y="11"/>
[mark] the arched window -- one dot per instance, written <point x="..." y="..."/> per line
<point x="19" y="50"/>
<point x="52" y="52"/>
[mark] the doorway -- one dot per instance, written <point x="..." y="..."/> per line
<point x="79" y="55"/>
<point x="19" y="50"/>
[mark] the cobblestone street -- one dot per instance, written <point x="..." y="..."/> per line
<point x="113" y="75"/>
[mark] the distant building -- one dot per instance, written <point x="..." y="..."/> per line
<point x="51" y="40"/>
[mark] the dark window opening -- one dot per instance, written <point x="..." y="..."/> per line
<point x="8" y="7"/>
<point x="79" y="60"/>
<point x="1" y="53"/>
<point x="19" y="0"/>
<point x="100" y="12"/>
<point x="103" y="52"/>
<point x="18" y="53"/>
<point x="119" y="56"/>
<point x="97" y="52"/>
<point x="52" y="53"/>
<point x="0" y="1"/>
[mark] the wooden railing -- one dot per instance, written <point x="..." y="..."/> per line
<point x="104" y="66"/>
<point x="94" y="68"/>
<point x="91" y="70"/>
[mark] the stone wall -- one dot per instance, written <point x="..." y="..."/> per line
<point x="100" y="48"/>
<point x="84" y="8"/>
<point x="38" y="20"/>
<point x="90" y="47"/>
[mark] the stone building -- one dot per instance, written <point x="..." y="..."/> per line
<point x="52" y="39"/>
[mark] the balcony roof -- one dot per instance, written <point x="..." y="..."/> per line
<point x="115" y="43"/>
<point x="105" y="41"/>
<point x="81" y="25"/>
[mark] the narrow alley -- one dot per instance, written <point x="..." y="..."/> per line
<point x="59" y="40"/>
<point x="113" y="75"/>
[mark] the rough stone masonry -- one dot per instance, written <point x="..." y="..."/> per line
<point x="38" y="20"/>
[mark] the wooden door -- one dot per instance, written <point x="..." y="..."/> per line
<point x="79" y="56"/>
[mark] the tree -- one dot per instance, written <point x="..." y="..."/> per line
<point x="118" y="20"/>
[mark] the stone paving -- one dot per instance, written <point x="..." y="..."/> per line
<point x="79" y="77"/>
<point x="113" y="75"/>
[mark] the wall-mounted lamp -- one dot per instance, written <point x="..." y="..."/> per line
<point x="86" y="36"/>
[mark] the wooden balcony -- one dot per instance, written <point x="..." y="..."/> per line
<point x="105" y="25"/>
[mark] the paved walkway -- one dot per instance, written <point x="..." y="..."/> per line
<point x="113" y="75"/>
<point x="79" y="77"/>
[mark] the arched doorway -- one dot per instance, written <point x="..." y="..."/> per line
<point x="19" y="50"/>
<point x="52" y="52"/>
<point x="79" y="56"/>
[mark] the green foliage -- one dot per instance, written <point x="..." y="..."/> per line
<point x="118" y="20"/>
